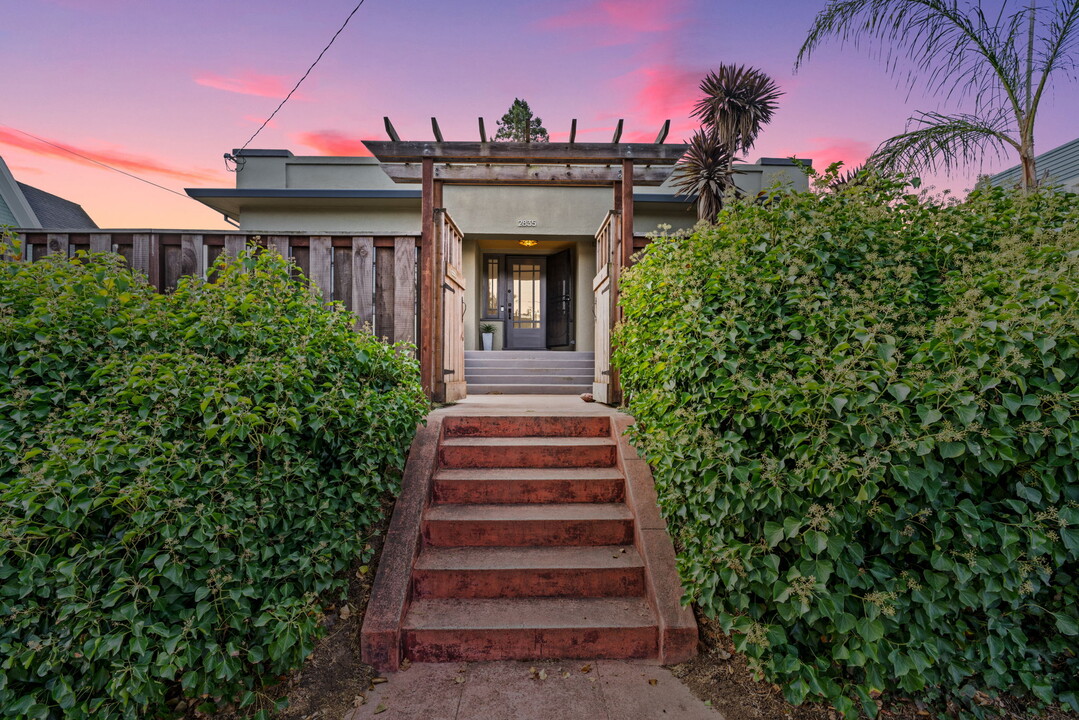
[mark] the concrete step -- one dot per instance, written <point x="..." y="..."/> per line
<point x="513" y="369"/>
<point x="460" y="426"/>
<point x="504" y="389"/>
<point x="528" y="354"/>
<point x="456" y="630"/>
<point x="566" y="524"/>
<point x="560" y="378"/>
<point x="499" y="572"/>
<point x="529" y="485"/>
<point x="525" y="452"/>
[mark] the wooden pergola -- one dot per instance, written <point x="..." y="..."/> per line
<point x="615" y="164"/>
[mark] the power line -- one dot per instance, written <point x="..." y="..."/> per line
<point x="298" y="82"/>
<point x="98" y="162"/>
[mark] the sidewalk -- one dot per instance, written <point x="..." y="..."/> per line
<point x="610" y="690"/>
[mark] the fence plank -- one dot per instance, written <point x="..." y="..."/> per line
<point x="58" y="244"/>
<point x="384" y="291"/>
<point x="140" y="254"/>
<point x="302" y="257"/>
<point x="404" y="291"/>
<point x="191" y="256"/>
<point x="235" y="244"/>
<point x="281" y="244"/>
<point x="173" y="267"/>
<point x="319" y="257"/>
<point x="342" y="276"/>
<point x="100" y="243"/>
<point x="362" y="281"/>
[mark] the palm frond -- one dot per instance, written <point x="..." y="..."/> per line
<point x="942" y="141"/>
<point x="965" y="52"/>
<point x="705" y="171"/>
<point x="738" y="101"/>
<point x="1060" y="46"/>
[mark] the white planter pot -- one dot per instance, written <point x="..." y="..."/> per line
<point x="488" y="340"/>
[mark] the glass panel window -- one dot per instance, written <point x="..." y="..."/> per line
<point x="527" y="304"/>
<point x="491" y="273"/>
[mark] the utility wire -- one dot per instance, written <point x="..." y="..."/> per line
<point x="98" y="162"/>
<point x="298" y="82"/>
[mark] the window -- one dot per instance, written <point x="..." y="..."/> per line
<point x="492" y="273"/>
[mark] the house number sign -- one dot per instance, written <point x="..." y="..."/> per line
<point x="527" y="223"/>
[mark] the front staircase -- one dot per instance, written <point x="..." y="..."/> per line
<point x="529" y="548"/>
<point x="529" y="372"/>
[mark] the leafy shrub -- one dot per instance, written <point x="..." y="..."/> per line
<point x="861" y="409"/>
<point x="181" y="478"/>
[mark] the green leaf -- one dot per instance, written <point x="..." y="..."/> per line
<point x="1066" y="624"/>
<point x="899" y="391"/>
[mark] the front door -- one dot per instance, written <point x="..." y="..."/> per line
<point x="526" y="292"/>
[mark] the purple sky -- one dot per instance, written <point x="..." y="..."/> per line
<point x="163" y="88"/>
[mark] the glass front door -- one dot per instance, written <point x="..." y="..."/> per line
<point x="526" y="292"/>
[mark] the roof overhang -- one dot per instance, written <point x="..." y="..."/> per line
<point x="230" y="202"/>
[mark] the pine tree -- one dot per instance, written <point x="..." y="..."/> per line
<point x="520" y="125"/>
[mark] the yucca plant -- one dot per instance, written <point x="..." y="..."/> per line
<point x="705" y="171"/>
<point x="737" y="101"/>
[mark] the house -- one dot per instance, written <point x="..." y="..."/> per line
<point x="541" y="239"/>
<point x="1059" y="167"/>
<point x="25" y="206"/>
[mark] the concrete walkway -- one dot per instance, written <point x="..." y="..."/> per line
<point x="610" y="690"/>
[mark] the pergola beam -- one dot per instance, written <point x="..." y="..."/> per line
<point x="396" y="151"/>
<point x="663" y="132"/>
<point x="502" y="174"/>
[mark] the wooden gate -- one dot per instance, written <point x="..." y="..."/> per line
<point x="607" y="244"/>
<point x="450" y="239"/>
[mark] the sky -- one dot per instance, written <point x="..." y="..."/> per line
<point x="162" y="89"/>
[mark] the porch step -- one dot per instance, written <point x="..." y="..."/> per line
<point x="523" y="452"/>
<point x="529" y="485"/>
<point x="529" y="372"/>
<point x="499" y="389"/>
<point x="527" y="426"/>
<point x="466" y="629"/>
<point x="501" y="572"/>
<point x="565" y="524"/>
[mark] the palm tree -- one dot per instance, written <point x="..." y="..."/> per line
<point x="1004" y="62"/>
<point x="737" y="102"/>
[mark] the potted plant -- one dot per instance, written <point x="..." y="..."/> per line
<point x="487" y="331"/>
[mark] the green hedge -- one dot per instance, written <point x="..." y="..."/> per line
<point x="861" y="408"/>
<point x="183" y="479"/>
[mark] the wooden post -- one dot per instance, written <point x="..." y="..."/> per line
<point x="427" y="276"/>
<point x="363" y="252"/>
<point x="438" y="315"/>
<point x="404" y="291"/>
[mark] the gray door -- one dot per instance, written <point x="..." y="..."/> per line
<point x="526" y="295"/>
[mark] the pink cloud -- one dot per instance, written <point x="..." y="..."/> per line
<point x="661" y="92"/>
<point x="115" y="158"/>
<point x="632" y="16"/>
<point x="826" y="150"/>
<point x="332" y="142"/>
<point x="249" y="83"/>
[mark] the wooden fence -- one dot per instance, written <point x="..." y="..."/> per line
<point x="373" y="276"/>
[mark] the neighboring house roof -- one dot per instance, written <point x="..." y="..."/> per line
<point x="1059" y="165"/>
<point x="25" y="206"/>
<point x="55" y="212"/>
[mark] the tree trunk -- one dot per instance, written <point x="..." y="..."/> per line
<point x="1030" y="177"/>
